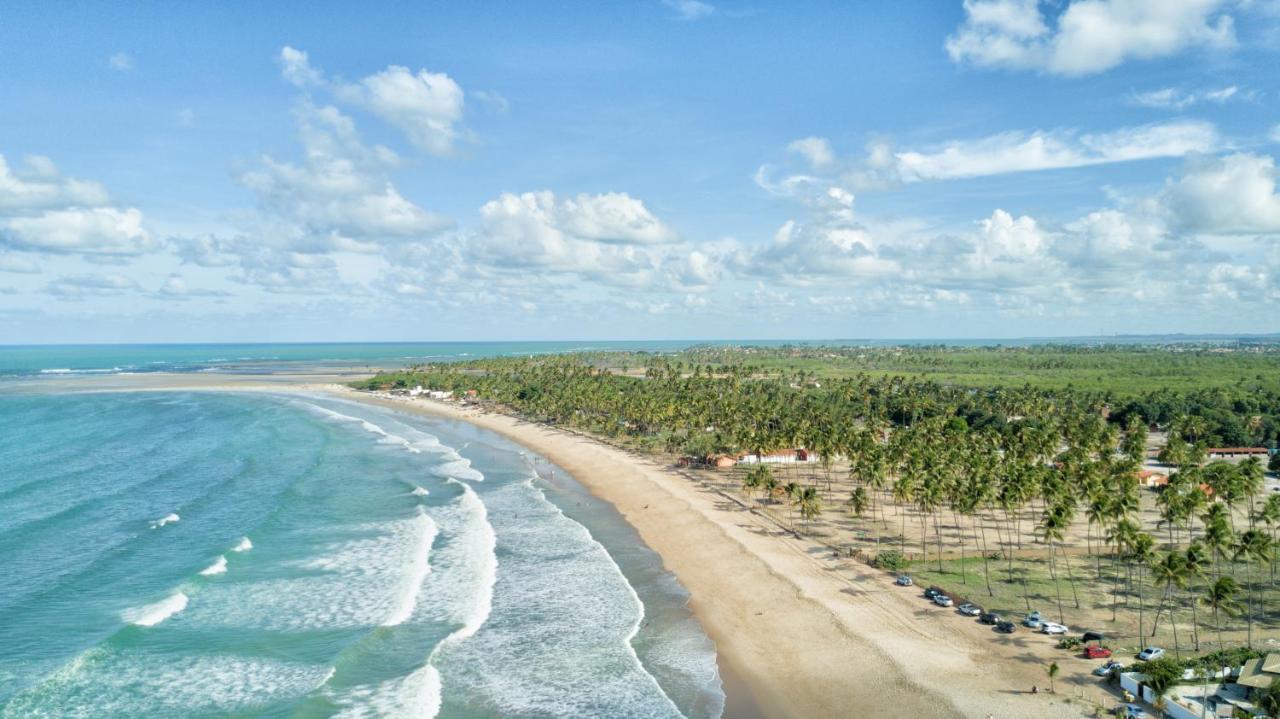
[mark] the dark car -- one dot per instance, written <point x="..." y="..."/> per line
<point x="1091" y="637"/>
<point x="1006" y="627"/>
<point x="931" y="592"/>
<point x="989" y="618"/>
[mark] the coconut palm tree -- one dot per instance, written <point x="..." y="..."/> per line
<point x="1141" y="553"/>
<point x="1194" y="560"/>
<point x="1253" y="546"/>
<point x="810" y="503"/>
<point x="1170" y="572"/>
<point x="1052" y="671"/>
<point x="1221" y="596"/>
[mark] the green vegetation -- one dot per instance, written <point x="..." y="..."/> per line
<point x="1015" y="448"/>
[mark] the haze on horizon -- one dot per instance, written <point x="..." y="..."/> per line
<point x="656" y="169"/>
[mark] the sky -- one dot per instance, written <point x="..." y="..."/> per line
<point x="682" y="169"/>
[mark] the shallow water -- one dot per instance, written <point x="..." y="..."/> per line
<point x="211" y="554"/>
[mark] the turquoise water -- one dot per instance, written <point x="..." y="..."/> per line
<point x="95" y="359"/>
<point x="56" y="360"/>
<point x="192" y="554"/>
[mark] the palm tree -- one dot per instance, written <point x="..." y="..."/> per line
<point x="1269" y="515"/>
<point x="1052" y="671"/>
<point x="1169" y="572"/>
<point x="810" y="503"/>
<point x="1193" y="562"/>
<point x="1141" y="553"/>
<point x="1253" y="546"/>
<point x="1221" y="596"/>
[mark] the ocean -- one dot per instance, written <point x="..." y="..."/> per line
<point x="203" y="554"/>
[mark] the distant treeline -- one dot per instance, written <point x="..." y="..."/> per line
<point x="745" y="398"/>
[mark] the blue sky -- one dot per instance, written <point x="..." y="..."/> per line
<point x="682" y="169"/>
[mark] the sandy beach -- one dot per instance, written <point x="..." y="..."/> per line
<point x="806" y="641"/>
<point x="804" y="633"/>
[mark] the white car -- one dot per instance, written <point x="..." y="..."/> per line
<point x="969" y="610"/>
<point x="1150" y="653"/>
<point x="942" y="600"/>
<point x="1053" y="628"/>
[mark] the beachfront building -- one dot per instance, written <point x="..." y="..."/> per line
<point x="1237" y="452"/>
<point x="1150" y="478"/>
<point x="785" y="456"/>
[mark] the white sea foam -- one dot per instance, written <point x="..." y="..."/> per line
<point x="483" y="545"/>
<point x="458" y="469"/>
<point x="420" y="492"/>
<point x="167" y="519"/>
<point x="560" y="624"/>
<point x="414" y="695"/>
<point x="219" y="566"/>
<point x="152" y="614"/>
<point x="243" y="545"/>
<point x="419" y="567"/>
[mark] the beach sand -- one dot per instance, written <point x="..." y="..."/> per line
<point x="805" y="640"/>
<point x="804" y="633"/>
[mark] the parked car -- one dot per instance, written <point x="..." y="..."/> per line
<point x="1053" y="628"/>
<point x="990" y="618"/>
<point x="969" y="610"/>
<point x="932" y="592"/>
<point x="1106" y="669"/>
<point x="1133" y="711"/>
<point x="903" y="581"/>
<point x="1150" y="653"/>
<point x="942" y="600"/>
<point x="1096" y="651"/>
<point x="1092" y="637"/>
<point x="1006" y="627"/>
<point x="1033" y="620"/>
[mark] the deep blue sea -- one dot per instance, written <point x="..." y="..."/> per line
<point x="189" y="554"/>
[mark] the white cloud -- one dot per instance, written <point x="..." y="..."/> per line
<point x="817" y="150"/>
<point x="426" y="106"/>
<point x="93" y="231"/>
<point x="1275" y="133"/>
<point x="296" y="68"/>
<point x="121" y="61"/>
<point x="1089" y="36"/>
<point x="1043" y="150"/>
<point x="186" y="117"/>
<point x="39" y="186"/>
<point x="1233" y="194"/>
<point x="612" y="217"/>
<point x="339" y="197"/>
<point x="1170" y="98"/>
<point x="691" y="9"/>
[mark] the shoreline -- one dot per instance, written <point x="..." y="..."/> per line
<point x="801" y="640"/>
<point x="801" y="633"/>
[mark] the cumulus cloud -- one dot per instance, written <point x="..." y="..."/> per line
<point x="339" y="197"/>
<point x="690" y="9"/>
<point x="93" y="231"/>
<point x="817" y="150"/>
<point x="296" y="68"/>
<point x="1088" y="36"/>
<point x="426" y="106"/>
<point x="1232" y="194"/>
<point x="39" y="186"/>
